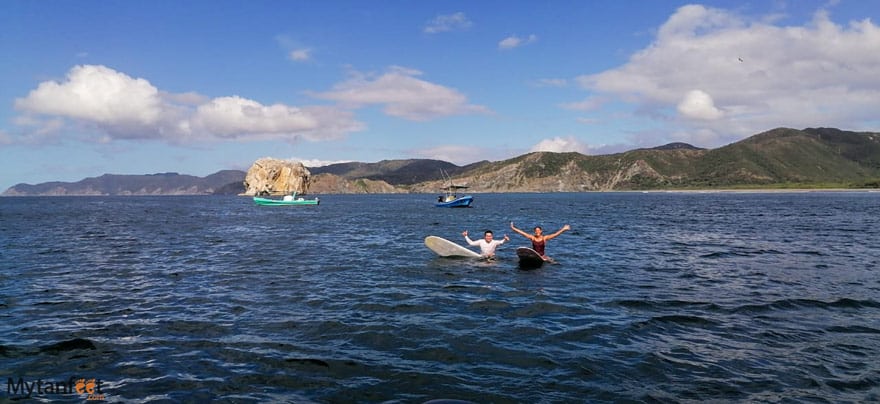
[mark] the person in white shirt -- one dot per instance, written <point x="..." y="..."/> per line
<point x="487" y="244"/>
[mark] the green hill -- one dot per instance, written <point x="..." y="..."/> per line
<point x="779" y="158"/>
<point x="788" y="156"/>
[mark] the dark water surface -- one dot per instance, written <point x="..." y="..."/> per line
<point x="657" y="297"/>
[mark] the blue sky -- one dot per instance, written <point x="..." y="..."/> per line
<point x="129" y="87"/>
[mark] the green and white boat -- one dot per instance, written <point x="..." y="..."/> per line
<point x="288" y="200"/>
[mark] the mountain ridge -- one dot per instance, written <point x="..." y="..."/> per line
<point x="781" y="157"/>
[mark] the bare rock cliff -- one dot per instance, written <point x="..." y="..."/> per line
<point x="270" y="176"/>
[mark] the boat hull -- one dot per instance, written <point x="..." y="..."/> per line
<point x="280" y="202"/>
<point x="463" y="202"/>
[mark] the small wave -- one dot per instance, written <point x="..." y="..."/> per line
<point x="53" y="251"/>
<point x="489" y="305"/>
<point x="796" y="304"/>
<point x="742" y="253"/>
<point x="545" y="308"/>
<point x="585" y="333"/>
<point x="683" y="320"/>
<point x="68" y="345"/>
<point x="8" y="351"/>
<point x="75" y="344"/>
<point x="637" y="304"/>
<point x="862" y="384"/>
<point x="853" y="303"/>
<point x="202" y="329"/>
<point x="649" y="305"/>
<point x="853" y="329"/>
<point x="395" y="308"/>
<point x="308" y="361"/>
<point x="49" y="303"/>
<point x="472" y="288"/>
<point x="724" y="254"/>
<point x="811" y="253"/>
<point x="770" y="337"/>
<point x="665" y="324"/>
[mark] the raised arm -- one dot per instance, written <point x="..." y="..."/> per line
<point x="560" y="231"/>
<point x="521" y="233"/>
<point x="468" y="239"/>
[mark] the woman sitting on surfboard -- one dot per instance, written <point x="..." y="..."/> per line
<point x="487" y="245"/>
<point x="539" y="240"/>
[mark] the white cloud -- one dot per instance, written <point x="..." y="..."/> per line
<point x="127" y="108"/>
<point x="561" y="145"/>
<point x="403" y="95"/>
<point x="588" y="104"/>
<point x="318" y="162"/>
<point x="5" y="138"/>
<point x="551" y="83"/>
<point x="37" y="130"/>
<point x="587" y="121"/>
<point x="189" y="98"/>
<point x="733" y="76"/>
<point x="98" y="94"/>
<point x="300" y="55"/>
<point x="448" y="22"/>
<point x="296" y="50"/>
<point x="698" y="105"/>
<point x="515" y="41"/>
<point x="234" y="116"/>
<point x="456" y="154"/>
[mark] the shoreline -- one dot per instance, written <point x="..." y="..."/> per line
<point x="646" y="191"/>
<point x="758" y="190"/>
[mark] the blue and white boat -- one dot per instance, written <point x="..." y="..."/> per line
<point x="451" y="200"/>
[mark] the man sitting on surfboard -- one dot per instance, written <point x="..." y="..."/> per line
<point x="487" y="245"/>
<point x="539" y="240"/>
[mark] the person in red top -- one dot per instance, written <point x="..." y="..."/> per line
<point x="539" y="240"/>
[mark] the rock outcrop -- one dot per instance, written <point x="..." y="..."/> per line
<point x="270" y="176"/>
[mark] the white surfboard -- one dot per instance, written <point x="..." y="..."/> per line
<point x="446" y="248"/>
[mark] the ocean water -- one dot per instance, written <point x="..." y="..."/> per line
<point x="657" y="297"/>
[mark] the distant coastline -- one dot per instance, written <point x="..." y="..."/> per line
<point x="651" y="191"/>
<point x="778" y="160"/>
<point x="759" y="190"/>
